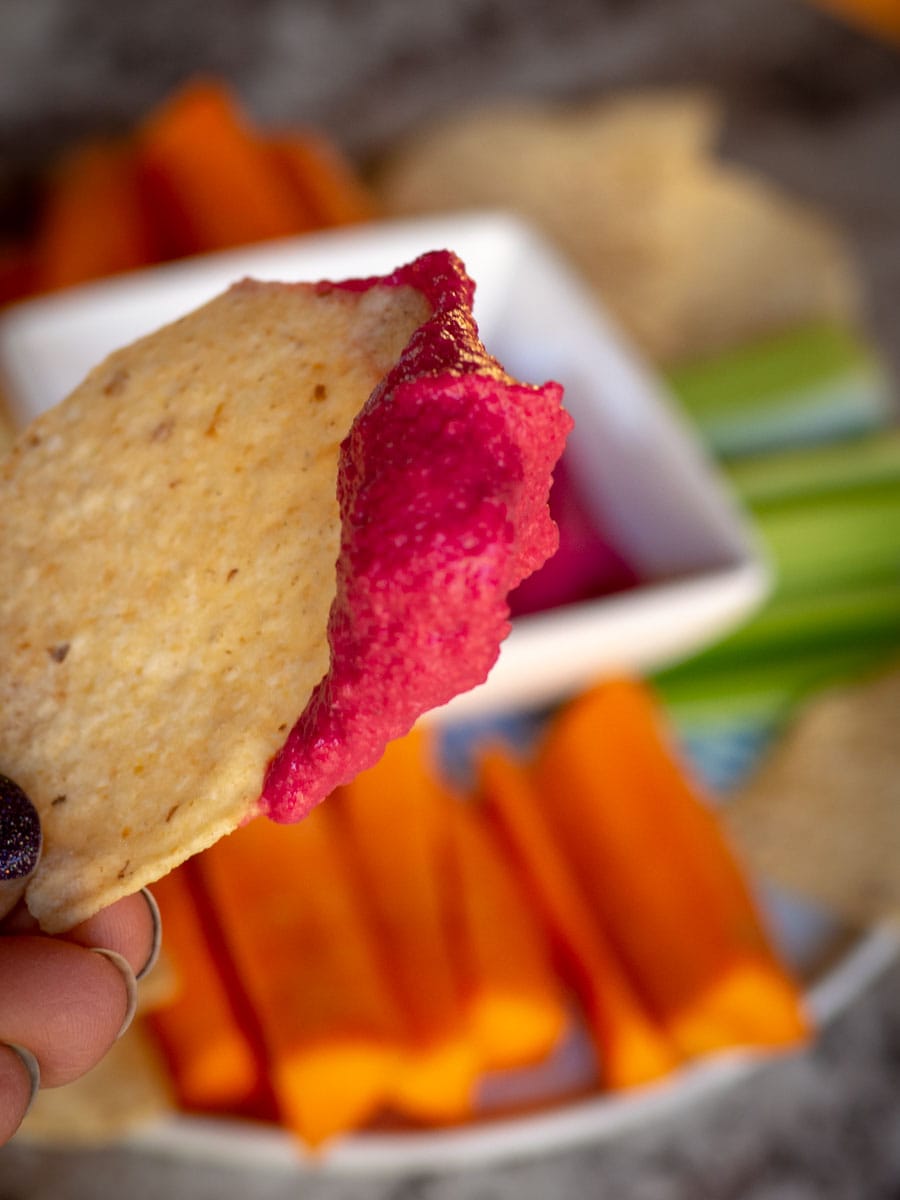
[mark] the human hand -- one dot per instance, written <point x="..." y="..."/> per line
<point x="63" y="1000"/>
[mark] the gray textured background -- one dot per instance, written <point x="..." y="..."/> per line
<point x="811" y="103"/>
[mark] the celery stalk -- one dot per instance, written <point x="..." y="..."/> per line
<point x="834" y="541"/>
<point x="859" y="618"/>
<point x="810" y="384"/>
<point x="791" y="475"/>
<point x="761" y="692"/>
<point x="830" y="520"/>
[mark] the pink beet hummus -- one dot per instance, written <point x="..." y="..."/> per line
<point x="443" y="487"/>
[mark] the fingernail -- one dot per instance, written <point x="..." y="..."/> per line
<point x="157" y="934"/>
<point x="30" y="1063"/>
<point x="20" y="832"/>
<point x="128" y="975"/>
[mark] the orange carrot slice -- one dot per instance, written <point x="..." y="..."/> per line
<point x="323" y="179"/>
<point x="659" y="876"/>
<point x="514" y="1000"/>
<point x="631" y="1047"/>
<point x="209" y="176"/>
<point x="210" y="1057"/>
<point x="95" y="222"/>
<point x="394" y="819"/>
<point x="295" y="927"/>
<point x="881" y="17"/>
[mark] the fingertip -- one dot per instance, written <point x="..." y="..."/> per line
<point x="20" y="1079"/>
<point x="64" y="1003"/>
<point x="156" y="944"/>
<point x="20" y="843"/>
<point x="20" y="832"/>
<point x="130" y="928"/>
<point x="129" y="980"/>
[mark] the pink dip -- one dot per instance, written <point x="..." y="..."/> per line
<point x="443" y="486"/>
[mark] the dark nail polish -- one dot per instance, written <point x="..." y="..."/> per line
<point x="20" y="832"/>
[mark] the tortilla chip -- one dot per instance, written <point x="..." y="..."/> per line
<point x="126" y="1089"/>
<point x="6" y="427"/>
<point x="821" y="817"/>
<point x="741" y="260"/>
<point x="689" y="253"/>
<point x="159" y="985"/>
<point x="170" y="532"/>
<point x="169" y="537"/>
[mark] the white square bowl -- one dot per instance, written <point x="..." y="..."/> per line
<point x="631" y="455"/>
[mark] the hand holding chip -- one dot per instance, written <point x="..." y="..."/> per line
<point x="63" y="1000"/>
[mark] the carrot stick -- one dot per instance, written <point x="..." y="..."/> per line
<point x="394" y="820"/>
<point x="659" y="876"/>
<point x="210" y="177"/>
<point x="212" y="1061"/>
<point x="881" y="17"/>
<point x="513" y="997"/>
<point x="95" y="222"/>
<point x="295" y="926"/>
<point x="323" y="178"/>
<point x="631" y="1048"/>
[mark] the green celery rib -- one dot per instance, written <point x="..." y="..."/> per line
<point x="763" y="691"/>
<point x="834" y="542"/>
<point x="774" y="479"/>
<point x="803" y="385"/>
<point x="859" y="617"/>
<point x="829" y="518"/>
<point x="795" y="359"/>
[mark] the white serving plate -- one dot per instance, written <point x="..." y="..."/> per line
<point x="631" y="453"/>
<point x="550" y="1129"/>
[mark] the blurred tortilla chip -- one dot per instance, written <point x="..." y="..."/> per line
<point x="741" y="261"/>
<point x="689" y="253"/>
<point x="127" y="1089"/>
<point x="6" y="426"/>
<point x="160" y="985"/>
<point x="821" y="817"/>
